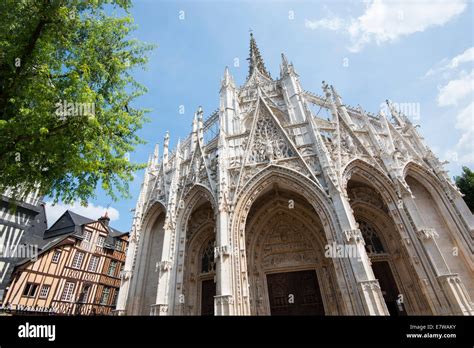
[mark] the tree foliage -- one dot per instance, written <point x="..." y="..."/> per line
<point x="66" y="92"/>
<point x="465" y="182"/>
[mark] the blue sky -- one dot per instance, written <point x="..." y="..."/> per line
<point x="416" y="53"/>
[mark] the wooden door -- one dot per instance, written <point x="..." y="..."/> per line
<point x="208" y="291"/>
<point x="294" y="293"/>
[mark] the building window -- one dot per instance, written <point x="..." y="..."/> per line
<point x="207" y="259"/>
<point x="44" y="291"/>
<point x="30" y="289"/>
<point x="112" y="268"/>
<point x="114" y="302"/>
<point x="87" y="235"/>
<point x="105" y="296"/>
<point x="118" y="245"/>
<point x="77" y="261"/>
<point x="56" y="256"/>
<point x="101" y="241"/>
<point x="93" y="264"/>
<point x="84" y="294"/>
<point x="67" y="292"/>
<point x="373" y="245"/>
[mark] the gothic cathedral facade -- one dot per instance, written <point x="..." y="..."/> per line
<point x="266" y="208"/>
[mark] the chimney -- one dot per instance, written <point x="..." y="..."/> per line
<point x="105" y="219"/>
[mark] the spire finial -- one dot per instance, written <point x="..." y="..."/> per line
<point x="156" y="154"/>
<point x="255" y="59"/>
<point x="285" y="67"/>
<point x="166" y="145"/>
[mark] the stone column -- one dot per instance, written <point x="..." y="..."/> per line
<point x="224" y="300"/>
<point x="164" y="268"/>
<point x="126" y="275"/>
<point x="369" y="298"/>
<point x="451" y="284"/>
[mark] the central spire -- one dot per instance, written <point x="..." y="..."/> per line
<point x="255" y="59"/>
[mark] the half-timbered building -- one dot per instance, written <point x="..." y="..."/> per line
<point x="76" y="273"/>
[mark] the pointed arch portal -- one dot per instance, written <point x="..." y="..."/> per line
<point x="284" y="221"/>
<point x="285" y="258"/>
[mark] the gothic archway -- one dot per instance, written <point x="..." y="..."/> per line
<point x="433" y="205"/>
<point x="285" y="242"/>
<point x="151" y="248"/>
<point x="199" y="268"/>
<point x="195" y="227"/>
<point x="384" y="246"/>
<point x="317" y="207"/>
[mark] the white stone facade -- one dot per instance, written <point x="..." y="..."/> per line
<point x="264" y="186"/>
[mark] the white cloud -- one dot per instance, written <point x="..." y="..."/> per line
<point x="465" y="145"/>
<point x="456" y="90"/>
<point x="451" y="64"/>
<point x="465" y="57"/>
<point x="330" y="23"/>
<point x="386" y="20"/>
<point x="53" y="212"/>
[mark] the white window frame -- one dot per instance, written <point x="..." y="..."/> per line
<point x="68" y="291"/>
<point x="30" y="286"/>
<point x="77" y="260"/>
<point x="93" y="261"/>
<point x="56" y="256"/>
<point x="44" y="292"/>
<point x="87" y="235"/>
<point x="100" y="241"/>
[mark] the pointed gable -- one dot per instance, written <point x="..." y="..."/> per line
<point x="199" y="172"/>
<point x="69" y="222"/>
<point x="269" y="143"/>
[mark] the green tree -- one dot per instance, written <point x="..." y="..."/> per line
<point x="465" y="182"/>
<point x="66" y="92"/>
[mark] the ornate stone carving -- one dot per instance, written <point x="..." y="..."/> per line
<point x="367" y="195"/>
<point x="426" y="233"/>
<point x="159" y="309"/>
<point x="224" y="300"/>
<point x="370" y="285"/>
<point x="268" y="143"/>
<point x="125" y="275"/>
<point x="164" y="266"/>
<point x="221" y="251"/>
<point x="354" y="236"/>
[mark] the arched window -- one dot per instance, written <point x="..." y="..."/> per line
<point x="208" y="264"/>
<point x="373" y="245"/>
